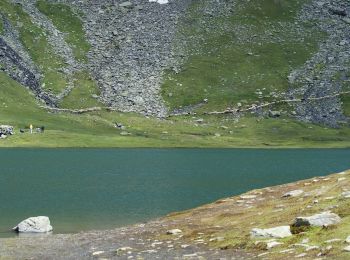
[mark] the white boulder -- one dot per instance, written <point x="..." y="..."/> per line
<point x="39" y="224"/>
<point x="276" y="232"/>
<point x="318" y="220"/>
<point x="293" y="193"/>
<point x="347" y="249"/>
<point x="346" y="194"/>
<point x="174" y="231"/>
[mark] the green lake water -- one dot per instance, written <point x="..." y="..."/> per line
<point x="84" y="189"/>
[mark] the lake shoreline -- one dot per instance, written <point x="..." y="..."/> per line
<point x="219" y="229"/>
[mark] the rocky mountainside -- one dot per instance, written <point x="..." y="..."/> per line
<point x="140" y="56"/>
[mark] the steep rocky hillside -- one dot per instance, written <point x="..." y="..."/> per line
<point x="241" y="59"/>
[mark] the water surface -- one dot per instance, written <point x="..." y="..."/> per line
<point x="84" y="189"/>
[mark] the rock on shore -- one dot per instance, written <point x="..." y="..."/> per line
<point x="39" y="224"/>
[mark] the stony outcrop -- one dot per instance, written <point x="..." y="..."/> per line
<point x="293" y="193"/>
<point x="6" y="130"/>
<point x="39" y="224"/>
<point x="318" y="220"/>
<point x="54" y="36"/>
<point x="131" y="46"/>
<point x="276" y="232"/>
<point x="134" y="42"/>
<point x="318" y="76"/>
<point x="14" y="65"/>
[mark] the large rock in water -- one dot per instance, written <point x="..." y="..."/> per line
<point x="318" y="220"/>
<point x="39" y="224"/>
<point x="276" y="232"/>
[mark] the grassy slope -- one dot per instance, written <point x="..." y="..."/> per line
<point x="81" y="95"/>
<point x="35" y="41"/>
<point x="258" y="51"/>
<point x="69" y="23"/>
<point x="97" y="129"/>
<point x="233" y="218"/>
<point x="1" y="25"/>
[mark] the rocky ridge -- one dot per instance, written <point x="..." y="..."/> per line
<point x="131" y="46"/>
<point x="134" y="42"/>
<point x="318" y="77"/>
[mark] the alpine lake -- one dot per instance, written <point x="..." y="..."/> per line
<point x="92" y="189"/>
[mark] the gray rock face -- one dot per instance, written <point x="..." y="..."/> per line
<point x="131" y="46"/>
<point x="18" y="69"/>
<point x="276" y="232"/>
<point x="39" y="224"/>
<point x="334" y="54"/>
<point x="318" y="220"/>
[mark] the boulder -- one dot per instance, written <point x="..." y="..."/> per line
<point x="6" y="130"/>
<point x="39" y="224"/>
<point x="318" y="220"/>
<point x="174" y="232"/>
<point x="161" y="2"/>
<point x="274" y="114"/>
<point x="273" y="244"/>
<point x="126" y="4"/>
<point x="347" y="240"/>
<point x="337" y="11"/>
<point x="346" y="194"/>
<point x="293" y="193"/>
<point x="276" y="232"/>
<point x="347" y="249"/>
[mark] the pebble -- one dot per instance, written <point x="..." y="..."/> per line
<point x="273" y="244"/>
<point x="312" y="248"/>
<point x="174" y="231"/>
<point x="247" y="197"/>
<point x="98" y="253"/>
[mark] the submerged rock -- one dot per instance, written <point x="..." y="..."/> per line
<point x="276" y="232"/>
<point x="318" y="220"/>
<point x="39" y="224"/>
